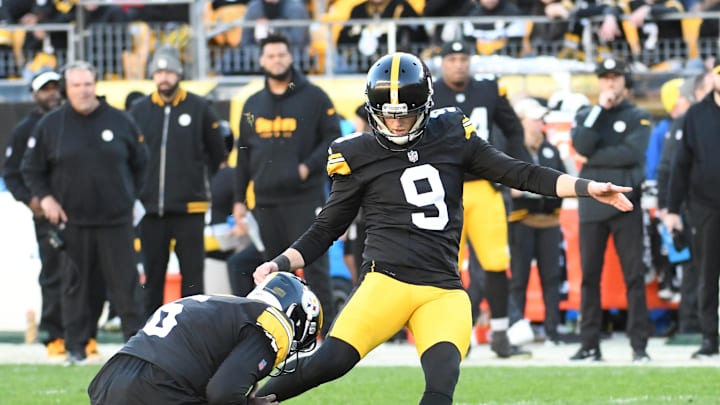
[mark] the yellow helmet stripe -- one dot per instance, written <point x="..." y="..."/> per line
<point x="395" y="79"/>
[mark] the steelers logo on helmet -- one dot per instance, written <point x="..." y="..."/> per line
<point x="398" y="86"/>
<point x="289" y="294"/>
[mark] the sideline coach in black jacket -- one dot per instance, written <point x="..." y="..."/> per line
<point x="285" y="132"/>
<point x="44" y="87"/>
<point x="186" y="148"/>
<point x="86" y="163"/>
<point x="611" y="138"/>
<point x="695" y="179"/>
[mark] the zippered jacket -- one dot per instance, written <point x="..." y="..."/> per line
<point x="186" y="148"/>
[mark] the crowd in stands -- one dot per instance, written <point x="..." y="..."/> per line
<point x="118" y="39"/>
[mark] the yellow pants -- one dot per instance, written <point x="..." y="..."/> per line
<point x="381" y="306"/>
<point x="484" y="226"/>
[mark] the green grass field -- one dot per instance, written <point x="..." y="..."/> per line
<point x="40" y="385"/>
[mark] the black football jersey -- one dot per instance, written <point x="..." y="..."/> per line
<point x="486" y="104"/>
<point x="412" y="199"/>
<point x="191" y="337"/>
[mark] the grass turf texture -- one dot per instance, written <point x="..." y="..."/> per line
<point x="36" y="384"/>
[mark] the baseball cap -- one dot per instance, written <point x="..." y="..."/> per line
<point x="42" y="79"/>
<point x="166" y="58"/>
<point x="455" y="47"/>
<point x="669" y="93"/>
<point x="611" y="65"/>
<point x="530" y="108"/>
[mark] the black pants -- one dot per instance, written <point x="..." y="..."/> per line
<point x="279" y="227"/>
<point x="128" y="380"/>
<point x="50" y="282"/>
<point x="627" y="231"/>
<point x="96" y="259"/>
<point x="477" y="286"/>
<point x="156" y="233"/>
<point x="542" y="244"/>
<point x="241" y="266"/>
<point x="706" y="256"/>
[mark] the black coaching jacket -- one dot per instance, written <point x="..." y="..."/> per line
<point x="92" y="164"/>
<point x="614" y="142"/>
<point x="186" y="148"/>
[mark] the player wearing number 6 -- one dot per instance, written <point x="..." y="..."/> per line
<point x="212" y="349"/>
<point x="407" y="175"/>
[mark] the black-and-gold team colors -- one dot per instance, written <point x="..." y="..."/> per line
<point x="196" y="342"/>
<point x="412" y="198"/>
<point x="485" y="103"/>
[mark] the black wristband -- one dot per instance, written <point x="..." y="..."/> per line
<point x="283" y="263"/>
<point x="581" y="187"/>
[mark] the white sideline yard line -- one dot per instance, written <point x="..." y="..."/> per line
<point x="616" y="352"/>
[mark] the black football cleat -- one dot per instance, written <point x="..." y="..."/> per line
<point x="500" y="344"/>
<point x="708" y="350"/>
<point x="640" y="356"/>
<point x="587" y="354"/>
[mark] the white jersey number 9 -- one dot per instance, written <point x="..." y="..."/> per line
<point x="434" y="196"/>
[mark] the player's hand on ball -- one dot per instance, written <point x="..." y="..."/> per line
<point x="263" y="271"/>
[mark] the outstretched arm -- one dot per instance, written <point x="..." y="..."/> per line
<point x="608" y="193"/>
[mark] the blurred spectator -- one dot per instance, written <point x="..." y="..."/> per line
<point x="695" y="180"/>
<point x="44" y="88"/>
<point x="647" y="36"/>
<point x="12" y="42"/>
<point x="86" y="163"/>
<point x="241" y="266"/>
<point x="285" y="131"/>
<point x="610" y="139"/>
<point x="183" y="137"/>
<point x="177" y="13"/>
<point x="675" y="104"/>
<point x="442" y="33"/>
<point x="371" y="40"/>
<point x="492" y="37"/>
<point x="222" y="191"/>
<point x="559" y="11"/>
<point x="688" y="311"/>
<point x="264" y="11"/>
<point x="228" y="11"/>
<point x="485" y="224"/>
<point x="608" y="30"/>
<point x="225" y="255"/>
<point x="709" y="27"/>
<point x="534" y="228"/>
<point x="65" y="12"/>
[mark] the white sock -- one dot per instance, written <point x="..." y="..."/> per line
<point x="499" y="324"/>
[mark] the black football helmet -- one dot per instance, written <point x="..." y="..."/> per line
<point x="290" y="294"/>
<point x="398" y="85"/>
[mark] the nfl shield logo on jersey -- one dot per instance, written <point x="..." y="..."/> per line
<point x="412" y="155"/>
